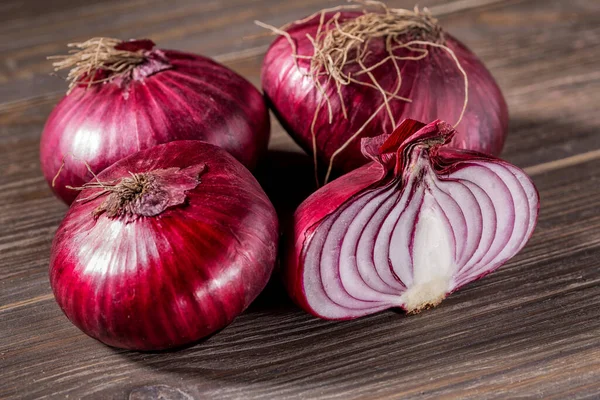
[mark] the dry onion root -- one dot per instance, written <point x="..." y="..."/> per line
<point x="107" y="57"/>
<point x="359" y="69"/>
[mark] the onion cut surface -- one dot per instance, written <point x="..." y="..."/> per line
<point x="411" y="227"/>
<point x="173" y="263"/>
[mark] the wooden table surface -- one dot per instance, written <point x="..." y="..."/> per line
<point x="530" y="330"/>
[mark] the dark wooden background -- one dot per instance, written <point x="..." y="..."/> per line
<point x="530" y="330"/>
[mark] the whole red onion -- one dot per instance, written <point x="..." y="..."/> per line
<point x="136" y="97"/>
<point x="407" y="229"/>
<point x="164" y="247"/>
<point x="338" y="66"/>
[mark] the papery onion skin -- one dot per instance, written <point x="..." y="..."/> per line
<point x="434" y="84"/>
<point x="194" y="99"/>
<point x="393" y="165"/>
<point x="160" y="282"/>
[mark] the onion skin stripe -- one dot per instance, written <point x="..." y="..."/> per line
<point x="117" y="118"/>
<point x="293" y="96"/>
<point x="167" y="280"/>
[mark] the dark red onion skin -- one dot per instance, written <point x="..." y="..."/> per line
<point x="196" y="99"/>
<point x="382" y="169"/>
<point x="434" y="84"/>
<point x="166" y="281"/>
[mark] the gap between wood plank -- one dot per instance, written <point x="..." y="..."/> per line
<point x="463" y="5"/>
<point x="562" y="163"/>
<point x="438" y="11"/>
<point x="27" y="302"/>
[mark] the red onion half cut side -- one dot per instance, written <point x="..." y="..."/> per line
<point x="408" y="229"/>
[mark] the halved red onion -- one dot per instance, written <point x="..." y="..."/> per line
<point x="136" y="96"/>
<point x="165" y="247"/>
<point x="411" y="227"/>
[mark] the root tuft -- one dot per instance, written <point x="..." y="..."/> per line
<point x="89" y="57"/>
<point x="338" y="45"/>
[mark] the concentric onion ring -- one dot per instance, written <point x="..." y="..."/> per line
<point x="446" y="217"/>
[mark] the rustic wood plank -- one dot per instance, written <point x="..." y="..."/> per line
<point x="526" y="324"/>
<point x="529" y="330"/>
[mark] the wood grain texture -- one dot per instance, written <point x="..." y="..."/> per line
<point x="530" y="330"/>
